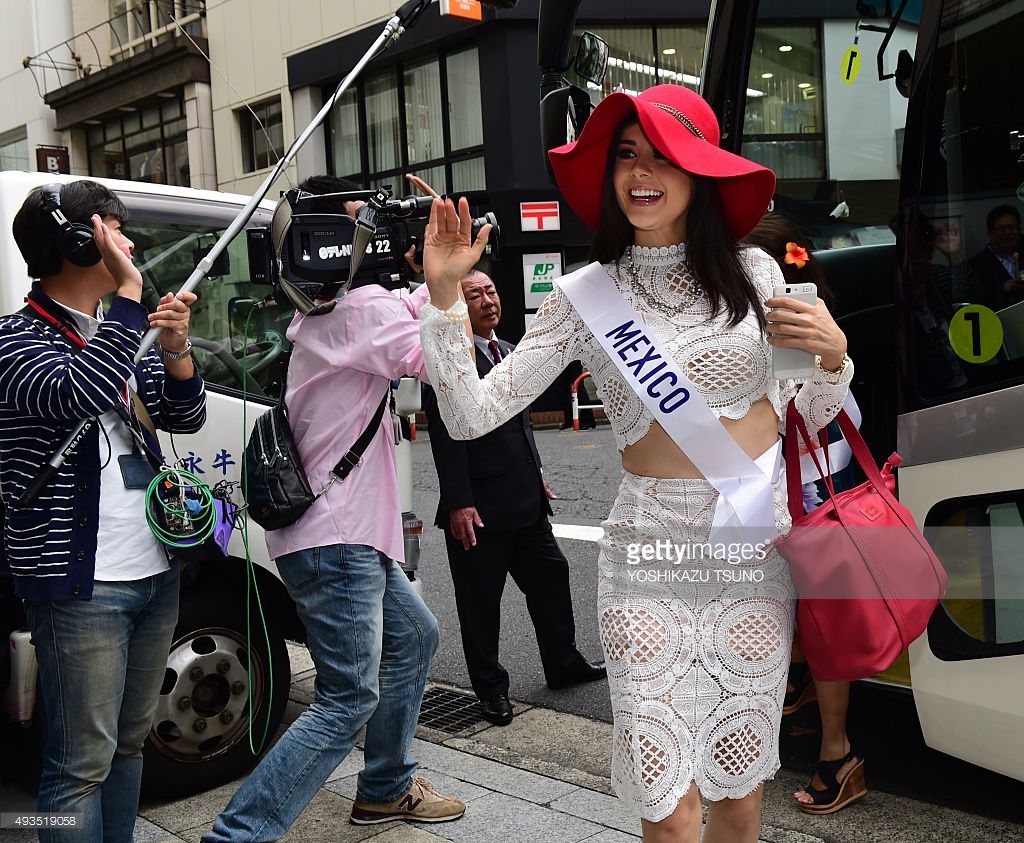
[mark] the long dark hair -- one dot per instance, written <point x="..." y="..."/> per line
<point x="772" y="234"/>
<point x="712" y="253"/>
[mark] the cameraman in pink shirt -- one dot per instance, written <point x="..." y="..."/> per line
<point x="370" y="635"/>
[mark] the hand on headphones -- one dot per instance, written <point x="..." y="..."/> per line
<point x="115" y="249"/>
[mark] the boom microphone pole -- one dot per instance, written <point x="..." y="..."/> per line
<point x="405" y="17"/>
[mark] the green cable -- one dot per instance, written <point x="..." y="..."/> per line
<point x="251" y="586"/>
<point x="160" y="512"/>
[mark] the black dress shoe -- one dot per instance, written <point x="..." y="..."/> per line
<point x="497" y="710"/>
<point x="577" y="675"/>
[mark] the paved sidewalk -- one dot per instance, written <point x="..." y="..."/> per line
<point x="542" y="779"/>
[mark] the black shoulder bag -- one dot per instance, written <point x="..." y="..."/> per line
<point x="275" y="485"/>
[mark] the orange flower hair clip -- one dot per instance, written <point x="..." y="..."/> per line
<point x="796" y="254"/>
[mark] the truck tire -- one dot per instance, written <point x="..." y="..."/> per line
<point x="200" y="735"/>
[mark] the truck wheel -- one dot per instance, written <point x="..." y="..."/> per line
<point x="200" y="734"/>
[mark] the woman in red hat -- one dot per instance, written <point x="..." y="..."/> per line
<point x="679" y="325"/>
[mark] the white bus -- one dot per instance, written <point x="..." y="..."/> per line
<point x="201" y="735"/>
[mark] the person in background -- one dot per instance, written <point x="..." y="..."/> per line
<point x="998" y="266"/>
<point x="834" y="784"/>
<point x="100" y="591"/>
<point x="494" y="512"/>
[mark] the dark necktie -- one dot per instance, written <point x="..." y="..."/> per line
<point x="495" y="351"/>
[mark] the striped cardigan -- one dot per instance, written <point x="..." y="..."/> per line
<point x="46" y="388"/>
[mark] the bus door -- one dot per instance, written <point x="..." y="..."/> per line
<point x="910" y="190"/>
<point x="961" y="422"/>
<point x="833" y="139"/>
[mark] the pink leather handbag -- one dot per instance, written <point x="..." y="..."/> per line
<point x="867" y="578"/>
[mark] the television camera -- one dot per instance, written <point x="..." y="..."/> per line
<point x="319" y="246"/>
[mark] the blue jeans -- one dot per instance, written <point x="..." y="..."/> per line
<point x="371" y="639"/>
<point x="101" y="664"/>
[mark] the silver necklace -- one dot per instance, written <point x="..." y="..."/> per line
<point x="688" y="295"/>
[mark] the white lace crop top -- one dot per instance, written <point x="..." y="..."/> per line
<point x="731" y="367"/>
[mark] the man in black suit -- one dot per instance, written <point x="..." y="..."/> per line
<point x="494" y="512"/>
<point x="997" y="266"/>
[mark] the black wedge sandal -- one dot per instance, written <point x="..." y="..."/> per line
<point x="804" y="690"/>
<point x="836" y="794"/>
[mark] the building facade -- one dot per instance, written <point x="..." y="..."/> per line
<point x="209" y="95"/>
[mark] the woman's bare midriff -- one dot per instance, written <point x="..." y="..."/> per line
<point x="656" y="455"/>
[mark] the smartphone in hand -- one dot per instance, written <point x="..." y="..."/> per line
<point x="794" y="363"/>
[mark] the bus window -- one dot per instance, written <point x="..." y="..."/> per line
<point x="833" y="146"/>
<point x="978" y="541"/>
<point x="835" y="150"/>
<point x="963" y="289"/>
<point x="169" y="240"/>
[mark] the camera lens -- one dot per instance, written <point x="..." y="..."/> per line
<point x="493" y="239"/>
<point x="480" y="222"/>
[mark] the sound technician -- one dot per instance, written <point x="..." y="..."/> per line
<point x="100" y="592"/>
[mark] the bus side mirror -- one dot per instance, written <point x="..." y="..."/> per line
<point x="591" y="60"/>
<point x="904" y="72"/>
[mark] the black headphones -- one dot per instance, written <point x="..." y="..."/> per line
<point x="74" y="240"/>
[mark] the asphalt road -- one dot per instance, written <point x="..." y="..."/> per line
<point x="584" y="471"/>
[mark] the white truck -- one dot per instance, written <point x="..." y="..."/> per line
<point x="228" y="665"/>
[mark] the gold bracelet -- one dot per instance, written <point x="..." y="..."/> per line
<point x="832" y="378"/>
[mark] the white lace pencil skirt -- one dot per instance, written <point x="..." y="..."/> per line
<point x="697" y="649"/>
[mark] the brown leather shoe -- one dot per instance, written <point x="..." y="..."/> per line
<point x="421" y="804"/>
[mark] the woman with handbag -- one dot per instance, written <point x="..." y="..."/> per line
<point x="674" y="329"/>
<point x="838" y="779"/>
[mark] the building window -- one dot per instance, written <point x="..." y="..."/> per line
<point x="631" y="61"/>
<point x="424" y="123"/>
<point x="346" y="148"/>
<point x="643" y="56"/>
<point x="14" y="150"/>
<point x="137" y="26"/>
<point x="403" y="120"/>
<point x="383" y="127"/>
<point x="144" y="142"/>
<point x="464" y="117"/>
<point x="784" y="127"/>
<point x="262" y="133"/>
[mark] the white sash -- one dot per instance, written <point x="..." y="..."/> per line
<point x="744" y="485"/>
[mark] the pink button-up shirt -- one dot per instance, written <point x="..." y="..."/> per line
<point x="342" y="364"/>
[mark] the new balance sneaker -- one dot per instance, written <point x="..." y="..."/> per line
<point x="421" y="804"/>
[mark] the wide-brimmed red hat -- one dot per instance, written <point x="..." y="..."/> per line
<point x="683" y="128"/>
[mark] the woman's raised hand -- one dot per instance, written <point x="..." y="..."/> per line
<point x="448" y="251"/>
<point x="796" y="324"/>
